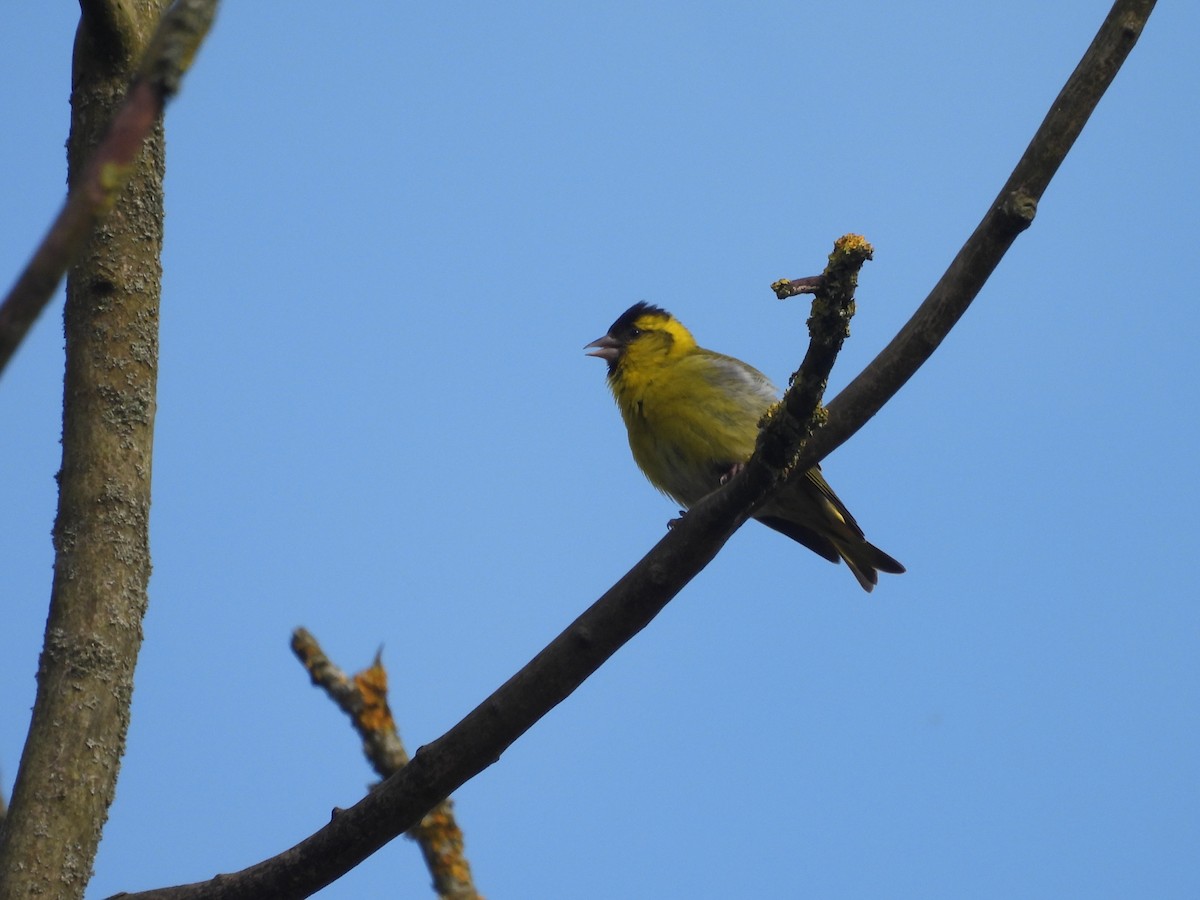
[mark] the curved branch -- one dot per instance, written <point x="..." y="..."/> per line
<point x="480" y="738"/>
<point x="550" y="677"/>
<point x="1010" y="213"/>
<point x="96" y="188"/>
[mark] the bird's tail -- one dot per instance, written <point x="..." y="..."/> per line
<point x="866" y="561"/>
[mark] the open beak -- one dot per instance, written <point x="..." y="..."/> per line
<point x="607" y="348"/>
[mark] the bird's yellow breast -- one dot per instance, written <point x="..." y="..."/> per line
<point x="691" y="414"/>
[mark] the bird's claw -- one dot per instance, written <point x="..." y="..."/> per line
<point x="733" y="470"/>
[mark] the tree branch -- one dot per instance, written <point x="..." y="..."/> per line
<point x="1009" y="214"/>
<point x="364" y="699"/>
<point x="96" y="186"/>
<point x="478" y="740"/>
<point x="68" y="771"/>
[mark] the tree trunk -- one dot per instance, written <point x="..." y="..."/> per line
<point x="68" y="771"/>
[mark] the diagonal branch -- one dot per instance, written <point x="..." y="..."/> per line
<point x="478" y="740"/>
<point x="366" y="705"/>
<point x="97" y="187"/>
<point x="364" y="699"/>
<point x="1009" y="214"/>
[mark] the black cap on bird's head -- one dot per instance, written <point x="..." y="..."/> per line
<point x="623" y="330"/>
<point x="626" y="322"/>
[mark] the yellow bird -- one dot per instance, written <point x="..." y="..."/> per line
<point x="692" y="416"/>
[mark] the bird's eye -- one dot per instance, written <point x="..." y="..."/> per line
<point x="634" y="332"/>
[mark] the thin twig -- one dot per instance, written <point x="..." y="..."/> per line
<point x="792" y="287"/>
<point x="1009" y="214"/>
<point x="364" y="699"/>
<point x="93" y="194"/>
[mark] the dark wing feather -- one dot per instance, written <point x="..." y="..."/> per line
<point x="819" y="545"/>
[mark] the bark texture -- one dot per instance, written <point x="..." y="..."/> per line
<point x="68" y="771"/>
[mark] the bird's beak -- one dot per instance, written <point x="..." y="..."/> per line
<point x="607" y="347"/>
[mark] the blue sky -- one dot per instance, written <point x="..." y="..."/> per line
<point x="390" y="231"/>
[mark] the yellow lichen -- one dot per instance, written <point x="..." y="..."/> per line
<point x="851" y="247"/>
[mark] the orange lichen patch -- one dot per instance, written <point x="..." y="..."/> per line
<point x="441" y="843"/>
<point x="364" y="698"/>
<point x="372" y="685"/>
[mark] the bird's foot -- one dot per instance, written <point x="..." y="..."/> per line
<point x="733" y="470"/>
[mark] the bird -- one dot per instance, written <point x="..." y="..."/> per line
<point x="692" y="417"/>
